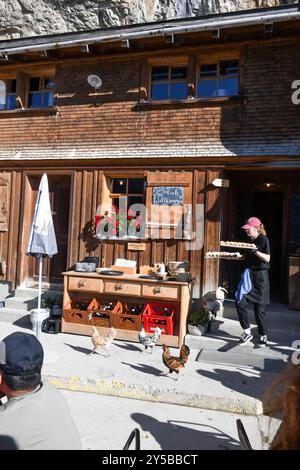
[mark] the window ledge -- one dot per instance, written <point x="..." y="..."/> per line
<point x="9" y="113"/>
<point x="199" y="101"/>
<point x="120" y="239"/>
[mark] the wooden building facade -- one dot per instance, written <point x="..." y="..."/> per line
<point x="53" y="121"/>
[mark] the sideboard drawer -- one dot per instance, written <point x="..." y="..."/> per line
<point x="85" y="284"/>
<point x="159" y="291"/>
<point x="122" y="287"/>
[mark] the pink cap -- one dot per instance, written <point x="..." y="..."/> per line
<point x="252" y="222"/>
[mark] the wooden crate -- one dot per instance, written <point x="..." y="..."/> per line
<point x="75" y="312"/>
<point x="125" y="320"/>
<point x="124" y="269"/>
<point x="101" y="317"/>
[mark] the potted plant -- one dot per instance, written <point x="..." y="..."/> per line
<point x="198" y="319"/>
<point x="53" y="304"/>
<point x="120" y="223"/>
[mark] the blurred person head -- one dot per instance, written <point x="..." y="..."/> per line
<point x="21" y="360"/>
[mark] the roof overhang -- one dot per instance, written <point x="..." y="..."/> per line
<point x="287" y="13"/>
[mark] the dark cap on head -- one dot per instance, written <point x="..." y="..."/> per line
<point x="22" y="354"/>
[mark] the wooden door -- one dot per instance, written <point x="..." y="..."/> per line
<point x="59" y="193"/>
<point x="250" y="195"/>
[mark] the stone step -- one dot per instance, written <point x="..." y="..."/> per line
<point x="19" y="303"/>
<point x="277" y="314"/>
<point x="226" y="345"/>
<point x="221" y="346"/>
<point x="18" y="317"/>
<point x="267" y="363"/>
<point x="30" y="293"/>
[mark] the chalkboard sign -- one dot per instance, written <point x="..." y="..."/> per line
<point x="168" y="196"/>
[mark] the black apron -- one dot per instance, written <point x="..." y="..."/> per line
<point x="260" y="292"/>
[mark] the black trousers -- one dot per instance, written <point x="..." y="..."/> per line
<point x="260" y="315"/>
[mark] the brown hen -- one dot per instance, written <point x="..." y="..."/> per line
<point x="174" y="364"/>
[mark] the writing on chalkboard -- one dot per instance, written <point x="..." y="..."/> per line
<point x="168" y="196"/>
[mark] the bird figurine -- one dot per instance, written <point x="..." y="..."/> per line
<point x="175" y="364"/>
<point x="103" y="342"/>
<point x="149" y="341"/>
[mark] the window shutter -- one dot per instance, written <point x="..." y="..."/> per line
<point x="145" y="77"/>
<point x="22" y="90"/>
<point x="3" y="206"/>
<point x="169" y="221"/>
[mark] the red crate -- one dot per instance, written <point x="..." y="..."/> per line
<point x="154" y="315"/>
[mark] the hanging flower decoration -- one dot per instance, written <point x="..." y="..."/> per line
<point x="118" y="223"/>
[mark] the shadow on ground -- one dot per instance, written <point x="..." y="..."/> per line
<point x="173" y="435"/>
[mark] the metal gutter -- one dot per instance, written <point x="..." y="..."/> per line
<point x="162" y="29"/>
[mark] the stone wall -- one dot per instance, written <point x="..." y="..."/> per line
<point x="23" y="18"/>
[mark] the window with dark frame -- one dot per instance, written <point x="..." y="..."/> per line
<point x="41" y="92"/>
<point x="218" y="79"/>
<point x="8" y="94"/>
<point x="169" y="82"/>
<point x="133" y="189"/>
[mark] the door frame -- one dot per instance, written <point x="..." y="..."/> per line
<point x="257" y="178"/>
<point x="25" y="223"/>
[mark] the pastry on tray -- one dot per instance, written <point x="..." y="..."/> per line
<point x="223" y="254"/>
<point x="238" y="245"/>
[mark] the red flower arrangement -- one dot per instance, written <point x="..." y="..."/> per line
<point x="119" y="222"/>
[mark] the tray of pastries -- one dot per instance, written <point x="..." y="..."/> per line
<point x="238" y="245"/>
<point x="223" y="255"/>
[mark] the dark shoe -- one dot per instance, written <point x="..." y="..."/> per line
<point x="263" y="341"/>
<point x="245" y="338"/>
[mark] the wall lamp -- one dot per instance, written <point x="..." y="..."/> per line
<point x="85" y="48"/>
<point x="269" y="27"/>
<point x="216" y="33"/>
<point x="169" y="38"/>
<point x="125" y="43"/>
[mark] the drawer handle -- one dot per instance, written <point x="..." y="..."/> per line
<point x="81" y="283"/>
<point x="118" y="286"/>
<point x="156" y="290"/>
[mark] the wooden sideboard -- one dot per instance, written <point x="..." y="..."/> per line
<point x="294" y="282"/>
<point x="128" y="287"/>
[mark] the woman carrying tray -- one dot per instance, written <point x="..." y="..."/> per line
<point x="254" y="285"/>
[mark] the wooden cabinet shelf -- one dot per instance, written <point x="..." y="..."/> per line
<point x="126" y="288"/>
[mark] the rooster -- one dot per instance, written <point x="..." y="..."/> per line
<point x="174" y="364"/>
<point x="149" y="341"/>
<point x="103" y="342"/>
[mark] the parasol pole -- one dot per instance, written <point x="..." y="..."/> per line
<point x="39" y="297"/>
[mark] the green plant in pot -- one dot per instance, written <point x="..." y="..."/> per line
<point x="47" y="302"/>
<point x="198" y="319"/>
<point x="54" y="304"/>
